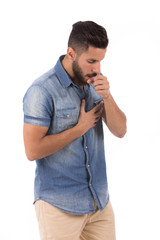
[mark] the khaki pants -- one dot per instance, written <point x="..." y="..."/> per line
<point x="57" y="225"/>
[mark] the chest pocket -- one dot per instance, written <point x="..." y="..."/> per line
<point x="66" y="118"/>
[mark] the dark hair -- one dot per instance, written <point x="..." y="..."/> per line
<point x="85" y="34"/>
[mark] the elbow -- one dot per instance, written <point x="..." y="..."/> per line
<point x="30" y="156"/>
<point x="123" y="132"/>
<point x="34" y="153"/>
<point x="120" y="133"/>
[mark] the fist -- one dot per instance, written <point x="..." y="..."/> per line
<point x="101" y="85"/>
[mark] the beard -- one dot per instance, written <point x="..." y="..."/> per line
<point x="79" y="77"/>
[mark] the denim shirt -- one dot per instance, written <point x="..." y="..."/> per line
<point x="72" y="178"/>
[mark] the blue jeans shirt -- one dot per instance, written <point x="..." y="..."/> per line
<point x="71" y="178"/>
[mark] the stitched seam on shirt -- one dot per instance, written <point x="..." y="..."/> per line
<point x="30" y="117"/>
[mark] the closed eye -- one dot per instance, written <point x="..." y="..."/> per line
<point x="92" y="61"/>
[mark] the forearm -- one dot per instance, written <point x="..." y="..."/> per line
<point x="114" y="118"/>
<point x="51" y="144"/>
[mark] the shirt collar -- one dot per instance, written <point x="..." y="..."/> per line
<point x="62" y="74"/>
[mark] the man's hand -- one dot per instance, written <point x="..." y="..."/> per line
<point x="101" y="85"/>
<point x="114" y="118"/>
<point x="89" y="119"/>
<point x="38" y="144"/>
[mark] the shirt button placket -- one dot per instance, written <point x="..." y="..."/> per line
<point x="90" y="184"/>
<point x="87" y="162"/>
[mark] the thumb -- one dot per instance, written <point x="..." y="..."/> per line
<point x="89" y="81"/>
<point x="83" y="105"/>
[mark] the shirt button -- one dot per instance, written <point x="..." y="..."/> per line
<point x="67" y="115"/>
<point x="90" y="184"/>
<point x="88" y="165"/>
<point x="86" y="147"/>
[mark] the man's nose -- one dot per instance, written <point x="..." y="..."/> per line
<point x="96" y="68"/>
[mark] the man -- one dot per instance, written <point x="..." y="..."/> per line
<point x="63" y="132"/>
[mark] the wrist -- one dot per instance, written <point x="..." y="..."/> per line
<point x="107" y="96"/>
<point x="79" y="130"/>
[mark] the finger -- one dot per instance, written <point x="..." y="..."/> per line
<point x="99" y="77"/>
<point x="97" y="119"/>
<point x="97" y="82"/>
<point x="100" y="88"/>
<point x="95" y="79"/>
<point x="89" y="81"/>
<point x="99" y="113"/>
<point x="101" y="82"/>
<point x="98" y="106"/>
<point x="83" y="105"/>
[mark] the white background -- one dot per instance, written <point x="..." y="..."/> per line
<point x="33" y="35"/>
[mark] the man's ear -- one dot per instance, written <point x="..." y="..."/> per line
<point x="71" y="53"/>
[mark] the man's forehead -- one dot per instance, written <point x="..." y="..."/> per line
<point x="94" y="53"/>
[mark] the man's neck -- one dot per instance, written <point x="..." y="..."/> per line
<point x="68" y="68"/>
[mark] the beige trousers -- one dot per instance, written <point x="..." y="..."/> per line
<point x="55" y="224"/>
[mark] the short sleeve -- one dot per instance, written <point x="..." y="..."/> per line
<point x="37" y="106"/>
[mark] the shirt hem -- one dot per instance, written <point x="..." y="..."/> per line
<point x="66" y="211"/>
